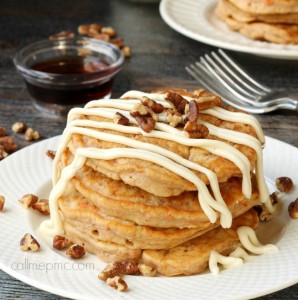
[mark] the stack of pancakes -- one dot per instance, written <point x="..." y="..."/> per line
<point x="274" y="21"/>
<point x="129" y="208"/>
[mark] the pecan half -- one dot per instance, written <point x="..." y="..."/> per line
<point x="2" y="202"/>
<point x="293" y="209"/>
<point x="28" y="242"/>
<point x="76" y="251"/>
<point x="153" y="105"/>
<point x="8" y="144"/>
<point x="120" y="119"/>
<point x="28" y="200"/>
<point x="60" y="242"/>
<point x="42" y="206"/>
<point x="284" y="184"/>
<point x="117" y="283"/>
<point x="176" y="101"/>
<point x="195" y="131"/>
<point x="143" y="117"/>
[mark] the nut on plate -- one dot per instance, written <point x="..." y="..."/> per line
<point x="117" y="283"/>
<point x="42" y="206"/>
<point x="60" y="242"/>
<point x="28" y="200"/>
<point x="284" y="184"/>
<point x="75" y="251"/>
<point x="28" y="242"/>
<point x="2" y="202"/>
<point x="51" y="153"/>
<point x="293" y="209"/>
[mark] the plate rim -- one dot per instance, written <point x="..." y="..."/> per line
<point x="66" y="293"/>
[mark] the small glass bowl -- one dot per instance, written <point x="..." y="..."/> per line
<point x="68" y="72"/>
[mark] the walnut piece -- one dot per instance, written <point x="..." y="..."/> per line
<point x="143" y="116"/>
<point x="42" y="206"/>
<point x="76" y="251"/>
<point x="51" y="153"/>
<point x="28" y="200"/>
<point x="176" y="101"/>
<point x="174" y="118"/>
<point x="19" y="127"/>
<point x="293" y="209"/>
<point x="28" y="242"/>
<point x="2" y="202"/>
<point x="117" y="283"/>
<point x="284" y="184"/>
<point x="60" y="242"/>
<point x="120" y="119"/>
<point x="153" y="105"/>
<point x="195" y="131"/>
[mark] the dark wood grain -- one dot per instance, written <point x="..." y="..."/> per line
<point x="159" y="57"/>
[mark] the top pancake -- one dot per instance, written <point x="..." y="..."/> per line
<point x="267" y="6"/>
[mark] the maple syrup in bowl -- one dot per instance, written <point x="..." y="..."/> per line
<point x="68" y="72"/>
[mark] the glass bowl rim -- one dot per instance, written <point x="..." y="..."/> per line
<point x="40" y="75"/>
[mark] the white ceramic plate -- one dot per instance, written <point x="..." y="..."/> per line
<point x="29" y="171"/>
<point x="195" y="19"/>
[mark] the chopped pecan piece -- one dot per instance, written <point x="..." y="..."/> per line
<point x="42" y="206"/>
<point x="3" y="153"/>
<point x="193" y="111"/>
<point x="153" y="105"/>
<point x="8" y="144"/>
<point x="19" y="127"/>
<point x="2" y="131"/>
<point x="120" y="119"/>
<point x="32" y="135"/>
<point x="174" y="118"/>
<point x="28" y="200"/>
<point x="143" y="117"/>
<point x="195" y="131"/>
<point x="117" y="283"/>
<point x="274" y="198"/>
<point x="51" y="154"/>
<point x="284" y="184"/>
<point x="126" y="51"/>
<point x="28" y="242"/>
<point x="109" y="31"/>
<point x="60" y="242"/>
<point x="119" y="42"/>
<point x="62" y="34"/>
<point x="119" y="268"/>
<point x="147" y="271"/>
<point x="2" y="202"/>
<point x="293" y="209"/>
<point x="176" y="101"/>
<point x="76" y="251"/>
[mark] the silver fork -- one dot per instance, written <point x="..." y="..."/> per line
<point x="220" y="74"/>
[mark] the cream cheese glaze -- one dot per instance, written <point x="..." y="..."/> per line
<point x="212" y="206"/>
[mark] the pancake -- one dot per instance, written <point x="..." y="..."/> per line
<point x="151" y="176"/>
<point x="267" y="7"/>
<point x="275" y="33"/>
<point x="225" y="9"/>
<point x="192" y="257"/>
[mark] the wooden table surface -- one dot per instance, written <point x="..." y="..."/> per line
<point x="159" y="57"/>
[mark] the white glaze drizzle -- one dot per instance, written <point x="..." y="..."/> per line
<point x="241" y="253"/>
<point x="249" y="240"/>
<point x="226" y="261"/>
<point x="107" y="108"/>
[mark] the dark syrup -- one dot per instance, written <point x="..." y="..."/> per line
<point x="70" y="96"/>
